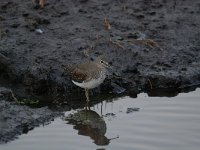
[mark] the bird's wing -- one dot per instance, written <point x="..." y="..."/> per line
<point x="83" y="72"/>
<point x="79" y="75"/>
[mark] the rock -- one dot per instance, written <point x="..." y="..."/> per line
<point x="4" y="61"/>
<point x="83" y="1"/>
<point x="131" y="69"/>
<point x="117" y="89"/>
<point x="40" y="31"/>
<point x="7" y="94"/>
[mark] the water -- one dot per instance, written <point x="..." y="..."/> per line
<point x="141" y="123"/>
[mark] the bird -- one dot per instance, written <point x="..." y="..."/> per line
<point x="89" y="75"/>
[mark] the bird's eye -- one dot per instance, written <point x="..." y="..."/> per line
<point x="102" y="61"/>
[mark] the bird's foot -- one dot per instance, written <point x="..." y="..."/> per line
<point x="87" y="105"/>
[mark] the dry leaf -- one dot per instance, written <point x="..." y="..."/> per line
<point x="107" y="24"/>
<point x="42" y="2"/>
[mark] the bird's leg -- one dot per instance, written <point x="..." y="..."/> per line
<point x="87" y="98"/>
<point x="87" y="95"/>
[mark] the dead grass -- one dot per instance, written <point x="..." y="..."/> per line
<point x="116" y="43"/>
<point x="148" y="42"/>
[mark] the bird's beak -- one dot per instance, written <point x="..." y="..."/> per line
<point x="108" y="65"/>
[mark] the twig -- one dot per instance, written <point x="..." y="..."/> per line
<point x="149" y="42"/>
<point x="150" y="83"/>
<point x="13" y="96"/>
<point x="116" y="43"/>
<point x="2" y="33"/>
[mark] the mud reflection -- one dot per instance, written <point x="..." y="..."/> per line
<point x="89" y="123"/>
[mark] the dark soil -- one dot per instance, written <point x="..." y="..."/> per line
<point x="151" y="44"/>
<point x="16" y="119"/>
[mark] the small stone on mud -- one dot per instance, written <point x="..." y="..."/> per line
<point x="131" y="69"/>
<point x="117" y="89"/>
<point x="39" y="31"/>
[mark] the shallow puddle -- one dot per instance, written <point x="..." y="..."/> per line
<point x="152" y="123"/>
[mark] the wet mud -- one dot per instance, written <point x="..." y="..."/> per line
<point x="16" y="119"/>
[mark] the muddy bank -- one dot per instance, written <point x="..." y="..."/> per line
<point x="151" y="44"/>
<point x="74" y="30"/>
<point x="16" y="119"/>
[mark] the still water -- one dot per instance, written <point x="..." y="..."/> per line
<point x="142" y="123"/>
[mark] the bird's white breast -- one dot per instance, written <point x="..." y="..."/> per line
<point x="91" y="83"/>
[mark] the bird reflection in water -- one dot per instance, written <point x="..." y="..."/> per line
<point x="89" y="123"/>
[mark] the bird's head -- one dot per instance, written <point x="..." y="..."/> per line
<point x="102" y="63"/>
